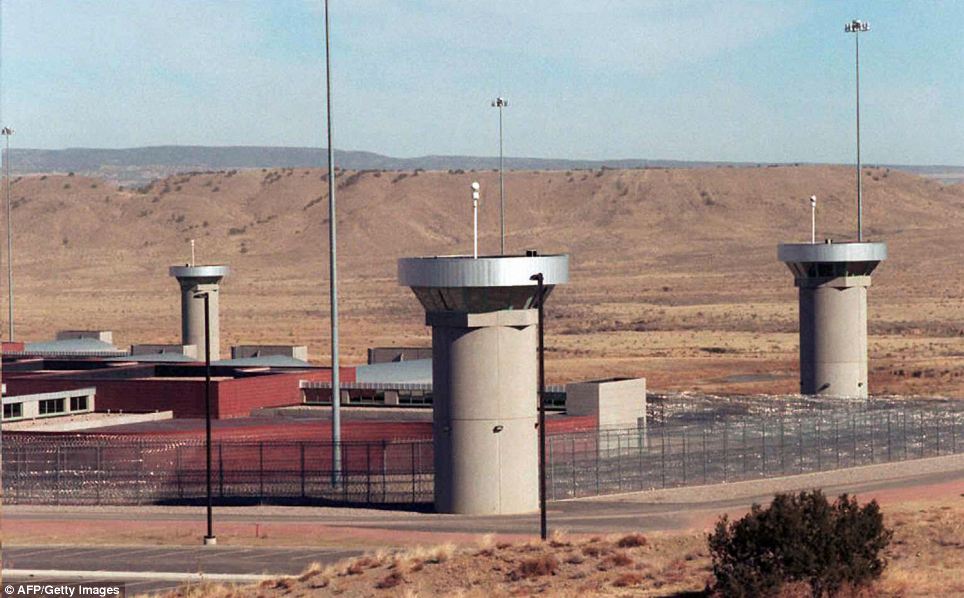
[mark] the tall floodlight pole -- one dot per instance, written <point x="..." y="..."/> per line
<point x="543" y="524"/>
<point x="7" y="132"/>
<point x="813" y="218"/>
<point x="333" y="279"/>
<point x="475" y="219"/>
<point x="501" y="103"/>
<point x="857" y="27"/>
<point x="209" y="539"/>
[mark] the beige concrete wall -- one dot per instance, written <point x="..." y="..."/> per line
<point x="833" y="336"/>
<point x="192" y="316"/>
<point x="295" y="351"/>
<point x="616" y="403"/>
<point x="188" y="350"/>
<point x="484" y="370"/>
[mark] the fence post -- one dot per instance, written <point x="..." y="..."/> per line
<point x="598" y="448"/>
<point x="550" y="469"/>
<point x="302" y="449"/>
<point x="261" y="470"/>
<point x="836" y="441"/>
<point x="619" y="462"/>
<point x="763" y="432"/>
<point x="853" y="425"/>
<point x="744" y="446"/>
<point x="684" y="430"/>
<point x="572" y="463"/>
<point x="873" y="432"/>
<point x="662" y="459"/>
<point x="921" y="434"/>
<point x="783" y="459"/>
<point x="889" y="454"/>
<point x="384" y="471"/>
<point x="800" y="426"/>
<point x="414" y="471"/>
<point x="725" y="457"/>
<point x="819" y="447"/>
<point x="368" y="472"/>
<point x="177" y="455"/>
<point x="939" y="418"/>
<point x="704" y="456"/>
<point x="221" y="469"/>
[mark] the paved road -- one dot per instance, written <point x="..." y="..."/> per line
<point x="175" y="559"/>
<point x="680" y="508"/>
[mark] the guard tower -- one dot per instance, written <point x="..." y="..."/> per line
<point x="194" y="280"/>
<point x="483" y="313"/>
<point x="833" y="280"/>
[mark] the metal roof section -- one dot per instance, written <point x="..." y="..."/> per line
<point x="155" y="358"/>
<point x="480" y="285"/>
<point x="808" y="260"/>
<point x="214" y="271"/>
<point x="274" y="361"/>
<point x="417" y="371"/>
<point x="73" y="346"/>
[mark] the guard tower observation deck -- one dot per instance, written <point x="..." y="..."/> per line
<point x="484" y="375"/>
<point x="832" y="279"/>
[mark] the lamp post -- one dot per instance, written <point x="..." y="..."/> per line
<point x="7" y="132"/>
<point x="209" y="539"/>
<point x="501" y="103"/>
<point x="857" y="27"/>
<point x="475" y="219"/>
<point x="543" y="527"/>
<point x="333" y="279"/>
<point x="813" y="218"/>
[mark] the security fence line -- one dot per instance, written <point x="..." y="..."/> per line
<point x="89" y="469"/>
<point x="671" y="455"/>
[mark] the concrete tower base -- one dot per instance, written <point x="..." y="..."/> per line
<point x="833" y="336"/>
<point x="195" y="280"/>
<point x="484" y="370"/>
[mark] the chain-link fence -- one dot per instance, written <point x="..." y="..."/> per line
<point x="672" y="453"/>
<point x="687" y="442"/>
<point x="112" y="470"/>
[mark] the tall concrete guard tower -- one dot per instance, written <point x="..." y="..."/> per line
<point x="194" y="280"/>
<point x="833" y="280"/>
<point x="484" y="376"/>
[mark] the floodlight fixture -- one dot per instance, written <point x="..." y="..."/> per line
<point x="857" y="26"/>
<point x="501" y="103"/>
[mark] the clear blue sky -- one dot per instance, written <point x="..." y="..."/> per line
<point x="680" y="79"/>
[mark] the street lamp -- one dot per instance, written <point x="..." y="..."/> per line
<point x="333" y="278"/>
<point x="209" y="539"/>
<point x="540" y="298"/>
<point x="857" y="27"/>
<point x="501" y="103"/>
<point x="7" y="132"/>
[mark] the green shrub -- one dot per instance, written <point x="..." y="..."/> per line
<point x="799" y="538"/>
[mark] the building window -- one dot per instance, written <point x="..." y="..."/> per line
<point x="51" y="406"/>
<point x="13" y="410"/>
<point x="78" y="403"/>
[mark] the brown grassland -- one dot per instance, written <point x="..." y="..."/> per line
<point x="925" y="558"/>
<point x="674" y="272"/>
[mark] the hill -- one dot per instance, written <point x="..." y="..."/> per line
<point x="675" y="273"/>
<point x="140" y="165"/>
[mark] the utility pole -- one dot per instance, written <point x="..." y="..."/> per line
<point x="856" y="27"/>
<point x="333" y="279"/>
<point x="501" y="103"/>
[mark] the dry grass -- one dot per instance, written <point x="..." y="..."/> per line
<point x="677" y="308"/>
<point x="926" y="558"/>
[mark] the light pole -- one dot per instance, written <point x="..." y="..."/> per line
<point x="475" y="219"/>
<point x="543" y="527"/>
<point x="209" y="539"/>
<point x="7" y="132"/>
<point x="501" y="103"/>
<point x="813" y="219"/>
<point x="333" y="278"/>
<point x="857" y="27"/>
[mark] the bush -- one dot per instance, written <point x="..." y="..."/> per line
<point x="799" y="538"/>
